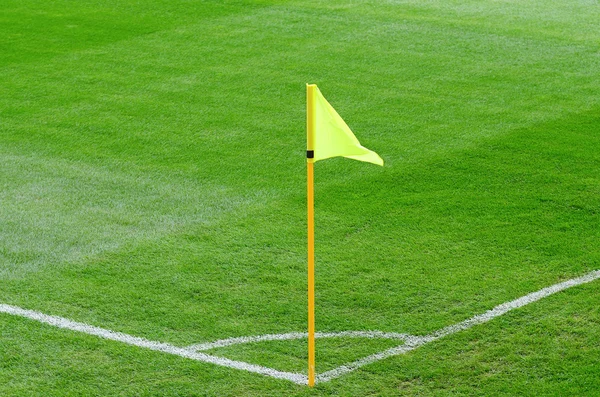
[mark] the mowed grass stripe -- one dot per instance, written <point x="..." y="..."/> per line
<point x="226" y="91"/>
<point x="59" y="211"/>
<point x="34" y="31"/>
<point x="503" y="241"/>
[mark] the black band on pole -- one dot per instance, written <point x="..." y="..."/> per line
<point x="310" y="154"/>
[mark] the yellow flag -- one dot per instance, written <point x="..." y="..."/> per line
<point x="332" y="137"/>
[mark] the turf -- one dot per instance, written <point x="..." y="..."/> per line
<point x="152" y="181"/>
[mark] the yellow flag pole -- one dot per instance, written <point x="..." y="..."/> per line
<point x="310" y="134"/>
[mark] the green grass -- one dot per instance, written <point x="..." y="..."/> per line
<point x="152" y="181"/>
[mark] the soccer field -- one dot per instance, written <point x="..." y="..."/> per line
<point x="153" y="193"/>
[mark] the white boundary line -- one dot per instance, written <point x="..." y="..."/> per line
<point x="61" y="322"/>
<point x="411" y="342"/>
<point x="463" y="325"/>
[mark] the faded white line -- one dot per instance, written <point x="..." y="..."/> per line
<point x="298" y="335"/>
<point x="65" y="323"/>
<point x="452" y="329"/>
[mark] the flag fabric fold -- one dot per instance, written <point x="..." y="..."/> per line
<point x="333" y="137"/>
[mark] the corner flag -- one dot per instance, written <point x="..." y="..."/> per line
<point x="327" y="135"/>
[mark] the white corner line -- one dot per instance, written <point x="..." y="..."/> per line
<point x="463" y="325"/>
<point x="65" y="323"/>
<point x="411" y="342"/>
